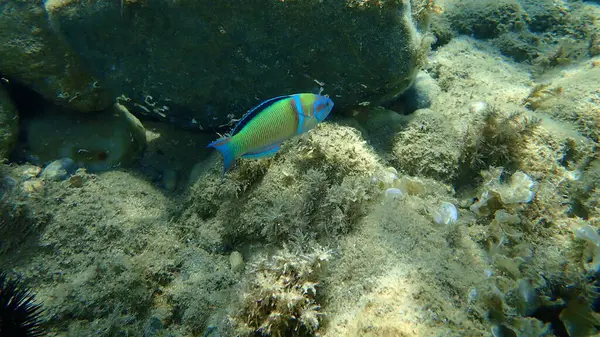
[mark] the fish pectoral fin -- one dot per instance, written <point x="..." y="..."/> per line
<point x="265" y="152"/>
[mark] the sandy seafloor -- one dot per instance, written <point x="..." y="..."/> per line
<point x="308" y="243"/>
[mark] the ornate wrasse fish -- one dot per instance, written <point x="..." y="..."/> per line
<point x="261" y="131"/>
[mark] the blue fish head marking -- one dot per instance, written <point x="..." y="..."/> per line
<point x="323" y="107"/>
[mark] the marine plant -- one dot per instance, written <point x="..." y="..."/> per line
<point x="423" y="9"/>
<point x="519" y="301"/>
<point x="565" y="52"/>
<point x="539" y="94"/>
<point x="516" y="299"/>
<point x="497" y="140"/>
<point x="281" y="298"/>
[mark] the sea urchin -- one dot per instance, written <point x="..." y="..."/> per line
<point x="19" y="313"/>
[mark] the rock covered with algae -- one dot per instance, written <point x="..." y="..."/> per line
<point x="33" y="55"/>
<point x="317" y="188"/>
<point x="194" y="63"/>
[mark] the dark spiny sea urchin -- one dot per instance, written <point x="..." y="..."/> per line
<point x="19" y="313"/>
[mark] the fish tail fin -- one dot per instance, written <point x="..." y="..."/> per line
<point x="223" y="145"/>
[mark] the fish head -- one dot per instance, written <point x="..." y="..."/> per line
<point x="323" y="106"/>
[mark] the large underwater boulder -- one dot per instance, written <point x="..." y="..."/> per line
<point x="32" y="54"/>
<point x="202" y="63"/>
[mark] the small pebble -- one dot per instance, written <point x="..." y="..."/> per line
<point x="32" y="187"/>
<point x="236" y="260"/>
<point x="76" y="181"/>
<point x="477" y="107"/>
<point x="31" y="172"/>
<point x="59" y="169"/>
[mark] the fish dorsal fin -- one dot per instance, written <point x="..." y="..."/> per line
<point x="255" y="111"/>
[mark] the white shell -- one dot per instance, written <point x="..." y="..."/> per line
<point x="445" y="214"/>
<point x="477" y="107"/>
<point x="394" y="193"/>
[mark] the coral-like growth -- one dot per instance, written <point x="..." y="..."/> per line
<point x="496" y="195"/>
<point x="281" y="300"/>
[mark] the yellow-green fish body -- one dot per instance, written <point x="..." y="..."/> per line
<point x="261" y="131"/>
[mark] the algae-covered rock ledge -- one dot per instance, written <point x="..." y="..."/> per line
<point x="32" y="54"/>
<point x="195" y="63"/>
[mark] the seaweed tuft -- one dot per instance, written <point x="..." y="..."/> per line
<point x="498" y="140"/>
<point x="281" y="300"/>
